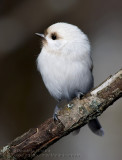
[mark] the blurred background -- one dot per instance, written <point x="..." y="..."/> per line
<point x="24" y="100"/>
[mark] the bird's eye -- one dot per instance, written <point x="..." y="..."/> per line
<point x="53" y="36"/>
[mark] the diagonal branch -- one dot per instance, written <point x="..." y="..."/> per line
<point x="75" y="114"/>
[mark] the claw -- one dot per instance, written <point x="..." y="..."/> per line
<point x="55" y="113"/>
<point x="59" y="106"/>
<point x="55" y="118"/>
<point x="80" y="95"/>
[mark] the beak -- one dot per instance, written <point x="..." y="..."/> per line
<point x="40" y="35"/>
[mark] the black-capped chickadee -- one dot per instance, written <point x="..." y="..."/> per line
<point x="65" y="64"/>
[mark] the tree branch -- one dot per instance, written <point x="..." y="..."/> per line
<point x="75" y="114"/>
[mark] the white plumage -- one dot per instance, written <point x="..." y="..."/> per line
<point x="65" y="63"/>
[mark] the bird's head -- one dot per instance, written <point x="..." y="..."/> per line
<point x="64" y="38"/>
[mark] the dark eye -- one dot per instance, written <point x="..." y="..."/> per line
<point x="53" y="36"/>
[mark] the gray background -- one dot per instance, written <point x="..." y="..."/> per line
<point x="24" y="100"/>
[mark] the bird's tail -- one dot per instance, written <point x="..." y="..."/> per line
<point x="96" y="127"/>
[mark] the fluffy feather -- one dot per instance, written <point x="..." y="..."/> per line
<point x="65" y="64"/>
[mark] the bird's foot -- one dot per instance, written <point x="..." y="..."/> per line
<point x="80" y="95"/>
<point x="58" y="107"/>
<point x="56" y="110"/>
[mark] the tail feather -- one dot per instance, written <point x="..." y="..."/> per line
<point x="96" y="127"/>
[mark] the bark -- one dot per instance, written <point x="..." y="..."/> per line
<point x="75" y="114"/>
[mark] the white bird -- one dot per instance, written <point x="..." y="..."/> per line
<point x="65" y="64"/>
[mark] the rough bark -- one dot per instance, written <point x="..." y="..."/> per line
<point x="75" y="114"/>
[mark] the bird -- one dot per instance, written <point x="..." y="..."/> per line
<point x="65" y="65"/>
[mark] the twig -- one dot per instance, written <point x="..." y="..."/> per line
<point x="75" y="114"/>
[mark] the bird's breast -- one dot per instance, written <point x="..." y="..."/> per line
<point x="63" y="76"/>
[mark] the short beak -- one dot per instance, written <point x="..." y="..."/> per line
<point x="40" y="35"/>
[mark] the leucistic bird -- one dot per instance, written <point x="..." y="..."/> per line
<point x="66" y="66"/>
